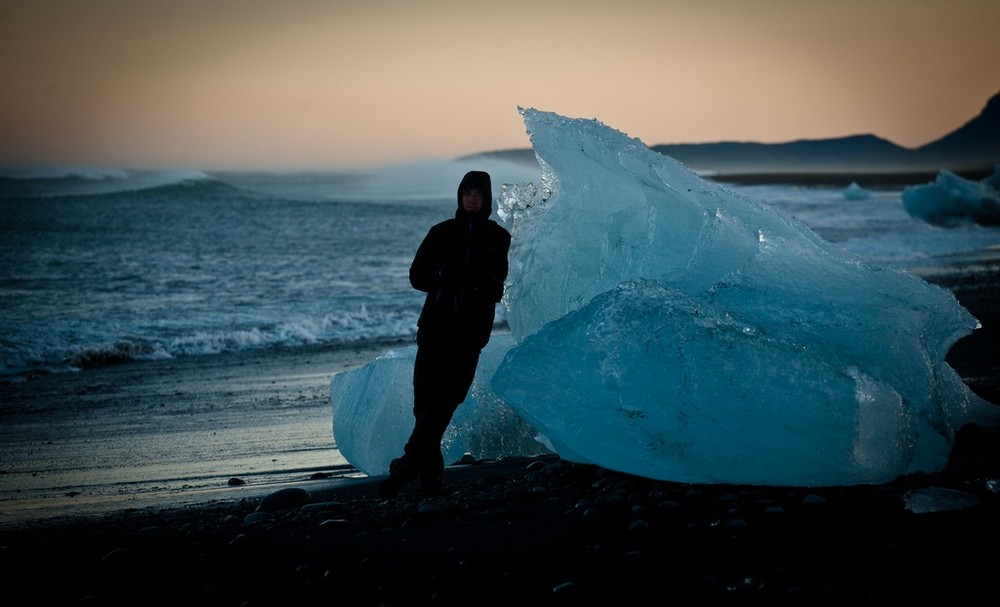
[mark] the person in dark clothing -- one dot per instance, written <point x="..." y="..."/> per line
<point x="461" y="265"/>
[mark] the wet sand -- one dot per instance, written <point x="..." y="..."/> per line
<point x="168" y="432"/>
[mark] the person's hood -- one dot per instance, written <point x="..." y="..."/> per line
<point x="481" y="181"/>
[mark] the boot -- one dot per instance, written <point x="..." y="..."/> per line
<point x="400" y="475"/>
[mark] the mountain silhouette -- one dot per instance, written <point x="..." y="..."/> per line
<point x="972" y="149"/>
<point x="978" y="140"/>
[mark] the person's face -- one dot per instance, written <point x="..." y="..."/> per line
<point x="472" y="200"/>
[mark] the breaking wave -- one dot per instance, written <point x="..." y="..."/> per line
<point x="48" y="182"/>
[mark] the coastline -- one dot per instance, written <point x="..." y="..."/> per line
<point x="155" y="433"/>
<point x="539" y="529"/>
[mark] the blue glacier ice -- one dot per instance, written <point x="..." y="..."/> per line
<point x="666" y="326"/>
<point x="856" y="192"/>
<point x="373" y="413"/>
<point x="952" y="200"/>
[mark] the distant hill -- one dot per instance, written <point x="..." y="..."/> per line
<point x="972" y="149"/>
<point x="977" y="141"/>
<point x="807" y="155"/>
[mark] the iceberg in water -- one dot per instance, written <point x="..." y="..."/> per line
<point x="856" y="192"/>
<point x="665" y="326"/>
<point x="951" y="200"/>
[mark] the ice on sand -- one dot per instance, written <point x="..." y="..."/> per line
<point x="665" y="326"/>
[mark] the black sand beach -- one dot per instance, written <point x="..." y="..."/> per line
<point x="546" y="531"/>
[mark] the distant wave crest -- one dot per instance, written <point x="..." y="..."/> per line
<point x="48" y="182"/>
<point x="64" y="172"/>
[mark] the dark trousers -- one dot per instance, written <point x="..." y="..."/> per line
<point x="442" y="375"/>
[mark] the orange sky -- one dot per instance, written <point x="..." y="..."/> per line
<point x="278" y="84"/>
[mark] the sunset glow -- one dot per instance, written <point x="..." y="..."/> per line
<point x="319" y="84"/>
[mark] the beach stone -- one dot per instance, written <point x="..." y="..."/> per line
<point x="292" y="497"/>
<point x="324" y="507"/>
<point x="117" y="557"/>
<point x="639" y="525"/>
<point x="611" y="500"/>
<point x="305" y="571"/>
<point x="493" y="480"/>
<point x="334" y="522"/>
<point x="939" y="499"/>
<point x="431" y="507"/>
<point x="566" y="588"/>
<point x="255" y="517"/>
<point x="813" y="499"/>
<point x="236" y="482"/>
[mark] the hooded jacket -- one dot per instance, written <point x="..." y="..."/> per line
<point x="462" y="265"/>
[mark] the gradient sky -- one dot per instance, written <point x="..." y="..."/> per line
<point x="279" y="84"/>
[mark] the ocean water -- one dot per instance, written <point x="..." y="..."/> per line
<point x="100" y="266"/>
